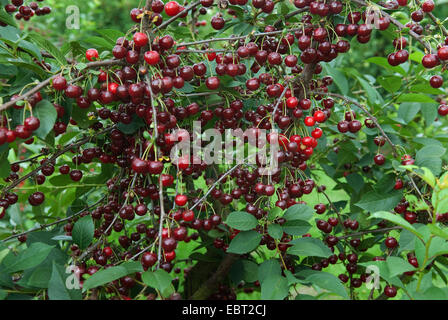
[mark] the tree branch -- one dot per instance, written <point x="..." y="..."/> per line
<point x="52" y="159"/>
<point x="40" y="85"/>
<point x="364" y="109"/>
<point x="211" y="285"/>
<point x="167" y="22"/>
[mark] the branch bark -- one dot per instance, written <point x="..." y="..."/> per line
<point x="53" y="158"/>
<point x="40" y="85"/>
<point x="211" y="285"/>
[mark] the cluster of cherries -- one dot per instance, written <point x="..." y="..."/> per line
<point x="22" y="131"/>
<point x="146" y="84"/>
<point x="25" y="12"/>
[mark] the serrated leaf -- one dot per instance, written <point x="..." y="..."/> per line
<point x="275" y="231"/>
<point x="396" y="219"/>
<point x="431" y="158"/>
<point x="274" y="288"/>
<point x="160" y="280"/>
<point x="47" y="114"/>
<point x="49" y="47"/>
<point x="104" y="276"/>
<point x="309" y="247"/>
<point x="244" y="270"/>
<point x="57" y="287"/>
<point x="328" y="282"/>
<point x="82" y="233"/>
<point x="374" y="201"/>
<point x="244" y="242"/>
<point x="268" y="268"/>
<point x="390" y="83"/>
<point x="29" y="258"/>
<point x="298" y="212"/>
<point x="415" y="97"/>
<point x="408" y="111"/>
<point x="296" y="227"/>
<point x="241" y="220"/>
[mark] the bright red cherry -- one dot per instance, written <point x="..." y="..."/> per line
<point x="188" y="215"/>
<point x="181" y="200"/>
<point x="59" y="83"/>
<point x="92" y="54"/>
<point x="32" y="123"/>
<point x="140" y="39"/>
<point x="140" y="166"/>
<point x="212" y="83"/>
<point x="152" y="57"/>
<point x="172" y="8"/>
<point x="379" y="159"/>
<point x="292" y="102"/>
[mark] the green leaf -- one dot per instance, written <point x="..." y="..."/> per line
<point x="391" y="268"/>
<point x="339" y="78"/>
<point x="309" y="247"/>
<point x="408" y="111"/>
<point x="355" y="181"/>
<point x="274" y="288"/>
<point x="47" y="115"/>
<point x="296" y="227"/>
<point x="415" y="97"/>
<point x="111" y="34"/>
<point x="100" y="42"/>
<point x="240" y="220"/>
<point x="244" y="242"/>
<point x="160" y="280"/>
<point x="268" y="268"/>
<point x="423" y="173"/>
<point x="372" y="94"/>
<point x="244" y="270"/>
<point x="430" y="157"/>
<point x="7" y="18"/>
<point x="24" y="64"/>
<point x="57" y="286"/>
<point x="328" y="282"/>
<point x="397" y="219"/>
<point x="425" y="88"/>
<point x="29" y="258"/>
<point x="104" y="276"/>
<point x="374" y="201"/>
<point x="5" y="167"/>
<point x="298" y="212"/>
<point x="83" y="231"/>
<point x="49" y="47"/>
<point x="429" y="112"/>
<point x="275" y="231"/>
<point x="390" y="83"/>
<point x="381" y="61"/>
<point x="31" y="49"/>
<point x="273" y="213"/>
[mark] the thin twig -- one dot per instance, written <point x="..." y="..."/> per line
<point x="213" y="187"/>
<point x="40" y="85"/>
<point x="53" y="159"/>
<point x="44" y="226"/>
<point x="262" y="34"/>
<point x="360" y="106"/>
<point x="187" y="8"/>
<point x="358" y="234"/>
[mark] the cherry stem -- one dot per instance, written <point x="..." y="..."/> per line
<point x="364" y="109"/>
